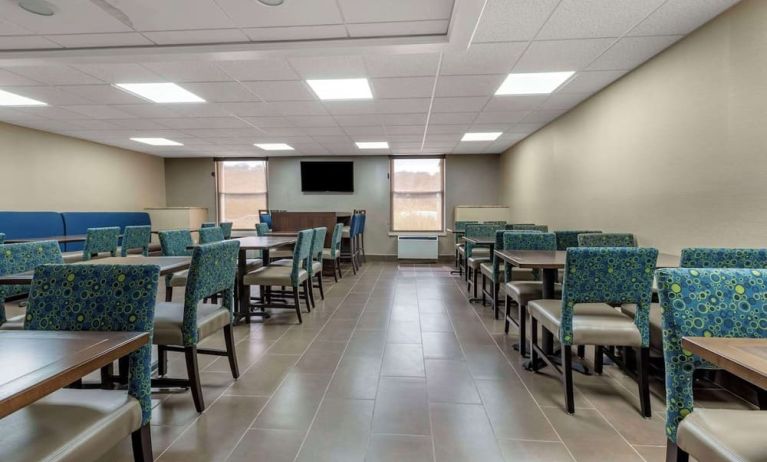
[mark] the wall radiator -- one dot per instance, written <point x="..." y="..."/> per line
<point x="421" y="247"/>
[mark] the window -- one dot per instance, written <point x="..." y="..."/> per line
<point x="417" y="194"/>
<point x="241" y="191"/>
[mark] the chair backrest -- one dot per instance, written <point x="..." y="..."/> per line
<point x="354" y="225"/>
<point x="318" y="242"/>
<point x="569" y="238"/>
<point x="704" y="302"/>
<point x="2" y="238"/>
<point x="100" y="240"/>
<point x="335" y="243"/>
<point x="208" y="224"/>
<point x="723" y="258"/>
<point x="541" y="228"/>
<point x="211" y="234"/>
<point x="264" y="217"/>
<point x="529" y="240"/>
<point x="262" y="229"/>
<point x="136" y="237"/>
<point x="213" y="270"/>
<point x="491" y="222"/>
<point x="613" y="275"/>
<point x="20" y="258"/>
<point x="510" y="226"/>
<point x="607" y="240"/>
<point x="227" y="226"/>
<point x="302" y="252"/>
<point x="461" y="226"/>
<point x="363" y="219"/>
<point x="100" y="298"/>
<point x="479" y="231"/>
<point x="176" y="243"/>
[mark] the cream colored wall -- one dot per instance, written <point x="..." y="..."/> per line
<point x="189" y="183"/>
<point x="45" y="171"/>
<point x="675" y="152"/>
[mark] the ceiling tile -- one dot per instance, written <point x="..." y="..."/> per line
<point x="630" y="52"/>
<point x="72" y="17"/>
<point x="54" y="96"/>
<point x="406" y="129"/>
<point x="357" y="120"/>
<point x="9" y="28"/>
<point x="500" y="117"/>
<point x="56" y="75"/>
<point x="350" y="107"/>
<point x="543" y="117"/>
<point x="26" y="43"/>
<point x="267" y="122"/>
<point x="251" y="109"/>
<point x="247" y="13"/>
<point x="403" y="87"/>
<point x="401" y="65"/>
<point x="680" y="17"/>
<point x="595" y="18"/>
<point x="8" y="78"/>
<point x="561" y="55"/>
<point x="515" y="103"/>
<point x="119" y="72"/>
<point x="512" y="20"/>
<point x="461" y="104"/>
<point x="590" y="81"/>
<point x="449" y="118"/>
<point x="402" y="106"/>
<point x="375" y="130"/>
<point x="151" y="15"/>
<point x="299" y="108"/>
<point x="399" y="28"/>
<point x="221" y="92"/>
<point x="362" y="11"/>
<point x="469" y="85"/>
<point x="563" y="101"/>
<point x="103" y="94"/>
<point x="203" y="122"/>
<point x="287" y="90"/>
<point x="99" y="111"/>
<point x="329" y="67"/>
<point x="181" y="37"/>
<point x="488" y="58"/>
<point x="147" y="110"/>
<point x="263" y="69"/>
<point x="117" y="39"/>
<point x="273" y="34"/>
<point x="311" y="121"/>
<point x="403" y="119"/>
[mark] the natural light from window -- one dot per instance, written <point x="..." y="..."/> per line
<point x="417" y="194"/>
<point x="241" y="191"/>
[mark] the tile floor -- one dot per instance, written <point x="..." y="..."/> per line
<point x="396" y="365"/>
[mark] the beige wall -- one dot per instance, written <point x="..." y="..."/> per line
<point x="468" y="180"/>
<point x="45" y="171"/>
<point x="674" y="152"/>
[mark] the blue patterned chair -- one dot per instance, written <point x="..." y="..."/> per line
<point x="20" y="258"/>
<point x="181" y="326"/>
<point x="226" y="227"/>
<point x="101" y="240"/>
<point x="265" y="217"/>
<point x="136" y="237"/>
<point x="606" y="240"/>
<point x="175" y="243"/>
<point x="76" y="424"/>
<point x="541" y="228"/>
<point x="495" y="222"/>
<point x="475" y="255"/>
<point x="459" y="246"/>
<point x="318" y="242"/>
<point x="522" y="290"/>
<point x="691" y="310"/>
<point x="334" y="252"/>
<point x="295" y="276"/>
<point x="569" y="238"/>
<point x="210" y="234"/>
<point x="275" y="254"/>
<point x="596" y="280"/>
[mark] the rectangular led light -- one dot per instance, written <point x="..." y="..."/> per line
<point x="157" y="141"/>
<point x="12" y="99"/>
<point x="372" y="144"/>
<point x="533" y="83"/>
<point x="161" y="92"/>
<point x="341" y="88"/>
<point x="481" y="136"/>
<point x="274" y="146"/>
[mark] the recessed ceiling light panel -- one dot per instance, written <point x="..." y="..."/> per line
<point x="12" y="99"/>
<point x="533" y="83"/>
<point x="157" y="141"/>
<point x="161" y="92"/>
<point x="274" y="146"/>
<point x="481" y="136"/>
<point x="372" y="144"/>
<point x="341" y="89"/>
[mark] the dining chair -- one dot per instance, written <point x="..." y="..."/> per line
<point x="295" y="276"/>
<point x="460" y="226"/>
<point x="208" y="224"/>
<point x="351" y="233"/>
<point x="510" y="226"/>
<point x="475" y="255"/>
<point x="361" y="234"/>
<point x="521" y="290"/>
<point x="596" y="280"/>
<point x="525" y="227"/>
<point x="181" y="326"/>
<point x="20" y="258"/>
<point x="77" y="424"/>
<point x="275" y="254"/>
<point x="491" y="271"/>
<point x="496" y="222"/>
<point x="318" y="242"/>
<point x="606" y="240"/>
<point x="265" y="217"/>
<point x="569" y="238"/>
<point x="226" y="227"/>
<point x="175" y="243"/>
<point x="136" y="237"/>
<point x="210" y="234"/>
<point x="709" y="302"/>
<point x="101" y="240"/>
<point x="334" y="252"/>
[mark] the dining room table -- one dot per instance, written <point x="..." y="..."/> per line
<point x="35" y="364"/>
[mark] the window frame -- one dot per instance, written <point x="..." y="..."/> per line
<point x="218" y="176"/>
<point x="443" y="166"/>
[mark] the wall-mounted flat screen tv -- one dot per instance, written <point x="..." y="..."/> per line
<point x="321" y="177"/>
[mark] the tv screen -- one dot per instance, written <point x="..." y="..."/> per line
<point x="327" y="176"/>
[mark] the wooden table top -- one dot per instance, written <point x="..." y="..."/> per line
<point x="168" y="265"/>
<point x="744" y="357"/>
<point x="265" y="242"/>
<point x="59" y="239"/>
<point x="282" y="233"/>
<point x="455" y="231"/>
<point x="555" y="259"/>
<point x="480" y="240"/>
<point x="37" y="363"/>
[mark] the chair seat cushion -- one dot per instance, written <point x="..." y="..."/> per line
<point x="459" y="245"/>
<point x="169" y="317"/>
<point x="480" y="252"/>
<point x="179" y="279"/>
<point x="656" y="323"/>
<point x="273" y="275"/>
<point x="316" y="266"/>
<point x="474" y="262"/>
<point x="723" y="435"/>
<point x="253" y="263"/>
<point x="327" y="254"/>
<point x="593" y="323"/>
<point x="487" y="269"/>
<point x="280" y="253"/>
<point x="346" y="231"/>
<point x="523" y="292"/>
<point x="14" y="323"/>
<point x="69" y="425"/>
<point x="72" y="257"/>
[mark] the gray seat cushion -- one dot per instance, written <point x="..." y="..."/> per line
<point x="593" y="323"/>
<point x="480" y="252"/>
<point x="724" y="435"/>
<point x="14" y="323"/>
<point x="316" y="266"/>
<point x="69" y="426"/>
<point x="272" y="275"/>
<point x="517" y="274"/>
<point x="656" y="323"/>
<point x="280" y="253"/>
<point x="253" y="263"/>
<point x="169" y="317"/>
<point x="326" y="254"/>
<point x="474" y="262"/>
<point x="179" y="279"/>
<point x="72" y="257"/>
<point x="523" y="292"/>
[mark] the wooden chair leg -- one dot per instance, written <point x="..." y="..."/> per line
<point x="231" y="353"/>
<point x="297" y="305"/>
<point x="506" y="322"/>
<point x="475" y="284"/>
<point x="123" y="365"/>
<point x="335" y="269"/>
<point x="644" y="382"/>
<point x="533" y="343"/>
<point x="581" y="351"/>
<point x="567" y="377"/>
<point x="193" y="372"/>
<point x="141" y="440"/>
<point x="674" y="453"/>
<point x="496" y="292"/>
<point x="107" y="372"/>
<point x="484" y="298"/>
<point x="598" y="359"/>
<point x="162" y="360"/>
<point x="322" y="289"/>
<point x="310" y="288"/>
<point x="306" y="298"/>
<point x="522" y="320"/>
<point x="168" y="293"/>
